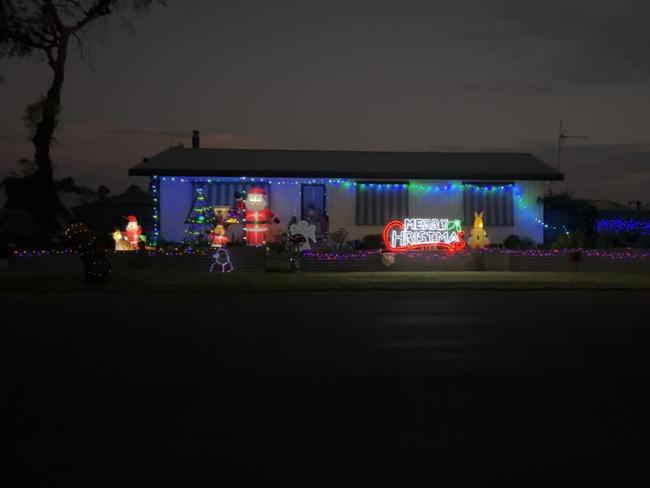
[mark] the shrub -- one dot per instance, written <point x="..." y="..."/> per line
<point x="573" y="240"/>
<point x="644" y="242"/>
<point x="274" y="248"/>
<point x="528" y="243"/>
<point x="371" y="241"/>
<point x="512" y="242"/>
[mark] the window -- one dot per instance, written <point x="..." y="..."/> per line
<point x="495" y="203"/>
<point x="379" y="202"/>
<point x="222" y="194"/>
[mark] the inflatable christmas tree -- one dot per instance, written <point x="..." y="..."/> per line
<point x="200" y="219"/>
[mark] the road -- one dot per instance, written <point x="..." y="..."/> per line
<point x="408" y="388"/>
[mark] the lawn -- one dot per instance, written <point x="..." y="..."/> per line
<point x="203" y="282"/>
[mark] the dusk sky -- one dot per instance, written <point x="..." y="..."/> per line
<point x="378" y="75"/>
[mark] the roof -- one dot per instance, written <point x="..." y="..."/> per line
<point x="179" y="161"/>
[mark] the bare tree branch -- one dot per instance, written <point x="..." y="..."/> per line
<point x="43" y="29"/>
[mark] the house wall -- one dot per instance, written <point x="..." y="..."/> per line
<point x="176" y="198"/>
<point x="285" y="204"/>
<point x="175" y="203"/>
<point x="342" y="200"/>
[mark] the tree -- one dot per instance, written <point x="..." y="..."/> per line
<point x="44" y="30"/>
<point x="102" y="192"/>
<point x="565" y="213"/>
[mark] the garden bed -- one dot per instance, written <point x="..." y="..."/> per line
<point x="256" y="259"/>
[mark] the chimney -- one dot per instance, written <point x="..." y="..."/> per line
<point x="196" y="140"/>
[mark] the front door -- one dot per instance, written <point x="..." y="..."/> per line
<point x="314" y="207"/>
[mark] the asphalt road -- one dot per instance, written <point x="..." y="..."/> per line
<point x="322" y="389"/>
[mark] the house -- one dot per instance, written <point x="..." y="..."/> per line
<point x="359" y="191"/>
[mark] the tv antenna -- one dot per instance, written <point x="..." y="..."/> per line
<point x="561" y="139"/>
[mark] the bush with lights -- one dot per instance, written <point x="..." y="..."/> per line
<point x="93" y="254"/>
<point x="288" y="248"/>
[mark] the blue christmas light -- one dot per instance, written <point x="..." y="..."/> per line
<point x="155" y="192"/>
<point x="622" y="226"/>
<point x="377" y="186"/>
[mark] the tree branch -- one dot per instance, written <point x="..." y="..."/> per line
<point x="50" y="8"/>
<point x="25" y="39"/>
<point x="100" y="9"/>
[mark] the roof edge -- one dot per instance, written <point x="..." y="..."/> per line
<point x="143" y="171"/>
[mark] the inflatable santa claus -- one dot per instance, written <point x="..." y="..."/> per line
<point x="258" y="217"/>
<point x="133" y="232"/>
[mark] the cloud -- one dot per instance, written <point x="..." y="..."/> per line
<point x="618" y="172"/>
<point x="583" y="42"/>
<point x="600" y="41"/>
<point x="148" y="132"/>
<point x="228" y="140"/>
<point x="516" y="88"/>
<point x="96" y="154"/>
<point x="209" y="139"/>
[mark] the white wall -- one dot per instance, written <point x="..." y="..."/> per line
<point x="447" y="204"/>
<point x="176" y="199"/>
<point x="525" y="215"/>
<point x="285" y="204"/>
<point x="175" y="202"/>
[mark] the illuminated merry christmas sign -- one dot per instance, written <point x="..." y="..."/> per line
<point x="420" y="234"/>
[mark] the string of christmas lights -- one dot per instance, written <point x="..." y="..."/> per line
<point x="353" y="184"/>
<point x="543" y="253"/>
<point x="418" y="187"/>
<point x="175" y="252"/>
<point x="622" y="226"/>
<point x="154" y="187"/>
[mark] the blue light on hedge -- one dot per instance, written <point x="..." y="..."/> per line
<point x="622" y="226"/>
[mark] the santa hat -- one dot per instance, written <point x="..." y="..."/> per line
<point x="132" y="218"/>
<point x="257" y="191"/>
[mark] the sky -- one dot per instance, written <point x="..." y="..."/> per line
<point x="355" y="75"/>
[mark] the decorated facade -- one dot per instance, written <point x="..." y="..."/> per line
<point x="256" y="195"/>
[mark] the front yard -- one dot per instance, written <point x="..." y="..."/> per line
<point x="204" y="282"/>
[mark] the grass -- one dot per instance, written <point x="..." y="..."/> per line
<point x="203" y="282"/>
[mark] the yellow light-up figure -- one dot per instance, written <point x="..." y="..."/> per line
<point x="478" y="236"/>
<point x="121" y="244"/>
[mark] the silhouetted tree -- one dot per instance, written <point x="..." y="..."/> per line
<point x="44" y="30"/>
<point x="577" y="215"/>
<point x="102" y="191"/>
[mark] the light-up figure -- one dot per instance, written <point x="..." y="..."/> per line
<point x="133" y="232"/>
<point x="221" y="261"/>
<point x="258" y="217"/>
<point x="218" y="237"/>
<point x="121" y="244"/>
<point x="478" y="236"/>
<point x="305" y="229"/>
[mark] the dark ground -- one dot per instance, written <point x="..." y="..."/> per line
<point x="329" y="389"/>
